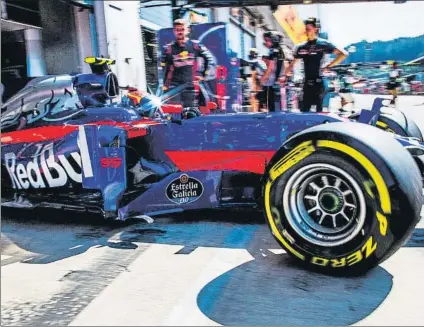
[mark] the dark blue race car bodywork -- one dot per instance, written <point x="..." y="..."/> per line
<point x="70" y="160"/>
<point x="66" y="145"/>
<point x="114" y="161"/>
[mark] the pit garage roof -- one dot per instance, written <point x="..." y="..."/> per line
<point x="247" y="3"/>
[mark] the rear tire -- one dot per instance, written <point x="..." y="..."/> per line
<point x="399" y="124"/>
<point x="339" y="201"/>
<point x="396" y="123"/>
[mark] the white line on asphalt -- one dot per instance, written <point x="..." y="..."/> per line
<point x="277" y="251"/>
<point x="164" y="288"/>
<point x="75" y="247"/>
<point x="402" y="306"/>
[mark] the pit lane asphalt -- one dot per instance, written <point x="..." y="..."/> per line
<point x="198" y="269"/>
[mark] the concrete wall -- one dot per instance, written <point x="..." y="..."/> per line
<point x="36" y="65"/>
<point x="85" y="48"/>
<point x="238" y="41"/>
<point x="222" y="15"/>
<point x="234" y="34"/>
<point x="59" y="37"/>
<point x="125" y="42"/>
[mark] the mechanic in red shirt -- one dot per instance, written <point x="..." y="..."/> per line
<point x="179" y="64"/>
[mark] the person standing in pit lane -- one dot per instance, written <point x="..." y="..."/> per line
<point x="179" y="62"/>
<point x="394" y="84"/>
<point x="258" y="68"/>
<point x="312" y="53"/>
<point x="275" y="62"/>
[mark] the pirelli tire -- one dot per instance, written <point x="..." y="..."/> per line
<point x="342" y="197"/>
<point x="398" y="123"/>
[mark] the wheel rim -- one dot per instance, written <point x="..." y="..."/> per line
<point x="324" y="205"/>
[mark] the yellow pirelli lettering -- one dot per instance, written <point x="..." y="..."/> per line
<point x="320" y="261"/>
<point x="383" y="192"/>
<point x="381" y="124"/>
<point x="288" y="236"/>
<point x="385" y="126"/>
<point x="297" y="154"/>
<point x="383" y="223"/>
<point x="355" y="257"/>
<point x="292" y="153"/>
<point x="338" y="263"/>
<point x="274" y="228"/>
<point x="368" y="185"/>
<point x="369" y="247"/>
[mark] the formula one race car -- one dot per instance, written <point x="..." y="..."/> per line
<point x="337" y="195"/>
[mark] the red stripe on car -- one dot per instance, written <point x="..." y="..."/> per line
<point x="251" y="161"/>
<point x="45" y="133"/>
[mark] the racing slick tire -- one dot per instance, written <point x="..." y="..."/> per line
<point x="342" y="197"/>
<point x="397" y="123"/>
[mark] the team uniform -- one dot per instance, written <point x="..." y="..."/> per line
<point x="179" y="65"/>
<point x="258" y="67"/>
<point x="268" y="94"/>
<point x="312" y="54"/>
<point x="393" y="83"/>
<point x="393" y="79"/>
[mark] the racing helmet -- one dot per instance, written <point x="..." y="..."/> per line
<point x="314" y="21"/>
<point x="190" y="112"/>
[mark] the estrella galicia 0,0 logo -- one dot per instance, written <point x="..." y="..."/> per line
<point x="184" y="190"/>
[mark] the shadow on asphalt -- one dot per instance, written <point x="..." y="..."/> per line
<point x="54" y="235"/>
<point x="272" y="290"/>
<point x="269" y="290"/>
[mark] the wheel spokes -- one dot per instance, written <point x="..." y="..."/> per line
<point x="329" y="187"/>
<point x="328" y="206"/>
<point x="344" y="216"/>
<point x="311" y="197"/>
<point x="338" y="183"/>
<point x="314" y="209"/>
<point x="325" y="180"/>
<point x="334" y="220"/>
<point x="315" y="187"/>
